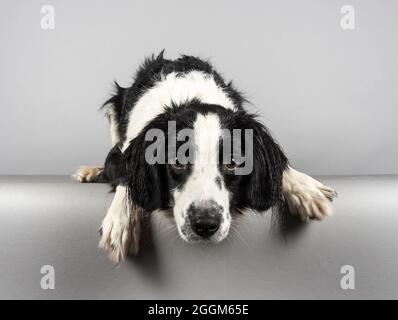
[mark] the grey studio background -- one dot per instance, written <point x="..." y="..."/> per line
<point x="329" y="96"/>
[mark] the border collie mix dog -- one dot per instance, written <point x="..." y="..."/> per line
<point x="207" y="182"/>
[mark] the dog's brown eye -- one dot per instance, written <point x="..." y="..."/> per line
<point x="179" y="166"/>
<point x="231" y="166"/>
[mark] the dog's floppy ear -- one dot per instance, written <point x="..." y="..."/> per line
<point x="264" y="184"/>
<point x="145" y="181"/>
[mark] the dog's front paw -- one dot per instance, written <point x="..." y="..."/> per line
<point x="115" y="228"/>
<point x="121" y="228"/>
<point x="88" y="173"/>
<point x="306" y="196"/>
<point x="114" y="241"/>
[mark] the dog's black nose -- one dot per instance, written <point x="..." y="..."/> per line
<point x="205" y="226"/>
<point x="205" y="218"/>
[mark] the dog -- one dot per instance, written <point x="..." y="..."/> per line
<point x="202" y="190"/>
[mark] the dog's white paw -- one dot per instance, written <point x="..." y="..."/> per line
<point x="115" y="237"/>
<point x="115" y="229"/>
<point x="306" y="196"/>
<point x="88" y="173"/>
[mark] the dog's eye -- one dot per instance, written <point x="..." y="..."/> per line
<point x="179" y="166"/>
<point x="231" y="166"/>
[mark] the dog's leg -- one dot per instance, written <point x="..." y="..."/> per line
<point x="306" y="196"/>
<point x="89" y="174"/>
<point x="121" y="227"/>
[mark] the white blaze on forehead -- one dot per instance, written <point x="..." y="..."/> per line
<point x="201" y="184"/>
<point x="207" y="134"/>
<point x="177" y="89"/>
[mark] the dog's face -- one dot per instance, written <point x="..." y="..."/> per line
<point x="207" y="164"/>
<point x="199" y="190"/>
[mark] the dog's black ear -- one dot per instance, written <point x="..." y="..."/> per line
<point x="264" y="184"/>
<point x="145" y="181"/>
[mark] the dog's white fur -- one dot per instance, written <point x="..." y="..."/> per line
<point x="113" y="123"/>
<point x="115" y="226"/>
<point x="87" y="173"/>
<point x="178" y="89"/>
<point x="306" y="196"/>
<point x="202" y="186"/>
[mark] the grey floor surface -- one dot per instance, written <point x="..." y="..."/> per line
<point x="54" y="221"/>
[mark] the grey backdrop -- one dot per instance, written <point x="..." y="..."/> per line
<point x="328" y="95"/>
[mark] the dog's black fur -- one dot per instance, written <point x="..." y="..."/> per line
<point x="149" y="185"/>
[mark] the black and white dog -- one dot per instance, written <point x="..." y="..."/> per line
<point x="205" y="191"/>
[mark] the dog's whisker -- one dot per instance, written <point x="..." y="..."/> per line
<point x="240" y="236"/>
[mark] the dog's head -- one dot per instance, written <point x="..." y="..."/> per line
<point x="206" y="163"/>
